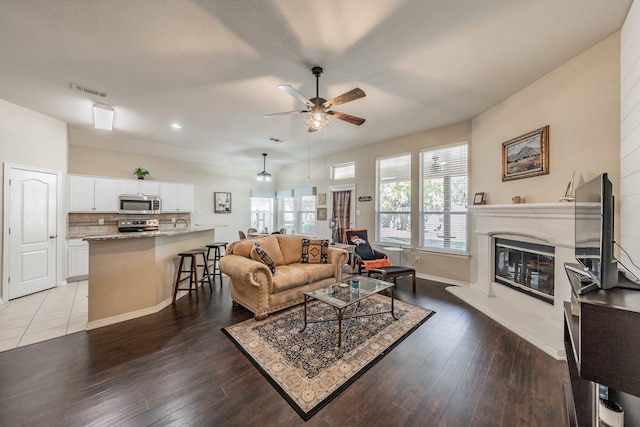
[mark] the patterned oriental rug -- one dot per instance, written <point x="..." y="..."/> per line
<point x="304" y="366"/>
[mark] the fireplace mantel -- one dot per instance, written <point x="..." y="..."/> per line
<point x="547" y="223"/>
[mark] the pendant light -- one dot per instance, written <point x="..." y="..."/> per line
<point x="264" y="176"/>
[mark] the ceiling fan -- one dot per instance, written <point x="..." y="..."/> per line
<point x="317" y="109"/>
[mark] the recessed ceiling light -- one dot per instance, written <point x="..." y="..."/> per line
<point x="176" y="125"/>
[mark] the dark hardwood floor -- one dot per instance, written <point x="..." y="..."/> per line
<point x="176" y="367"/>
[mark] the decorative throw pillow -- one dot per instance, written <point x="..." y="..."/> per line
<point x="259" y="254"/>
<point x="315" y="251"/>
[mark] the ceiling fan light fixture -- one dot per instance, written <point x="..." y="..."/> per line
<point x="317" y="119"/>
<point x="264" y="176"/>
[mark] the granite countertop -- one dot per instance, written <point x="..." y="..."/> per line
<point x="144" y="234"/>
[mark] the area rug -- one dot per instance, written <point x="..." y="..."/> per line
<point x="304" y="366"/>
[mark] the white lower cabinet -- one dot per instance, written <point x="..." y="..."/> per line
<point x="77" y="258"/>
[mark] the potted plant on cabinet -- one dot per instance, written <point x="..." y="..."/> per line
<point x="141" y="173"/>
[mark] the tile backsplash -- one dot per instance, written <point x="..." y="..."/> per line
<point x="80" y="225"/>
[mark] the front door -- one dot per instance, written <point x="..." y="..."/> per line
<point x="32" y="228"/>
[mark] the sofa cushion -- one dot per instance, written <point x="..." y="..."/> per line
<point x="268" y="243"/>
<point x="315" y="272"/>
<point x="259" y="254"/>
<point x="290" y="246"/>
<point x="314" y="251"/>
<point x="287" y="277"/>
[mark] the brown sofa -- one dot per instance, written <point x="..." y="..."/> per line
<point x="256" y="288"/>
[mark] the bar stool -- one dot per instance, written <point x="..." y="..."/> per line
<point x="192" y="271"/>
<point x="217" y="254"/>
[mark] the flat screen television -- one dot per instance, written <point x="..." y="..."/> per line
<point x="594" y="214"/>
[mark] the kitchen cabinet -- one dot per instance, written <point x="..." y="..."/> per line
<point x="177" y="197"/>
<point x="98" y="194"/>
<point x="77" y="258"/>
<point x="93" y="194"/>
<point x="139" y="186"/>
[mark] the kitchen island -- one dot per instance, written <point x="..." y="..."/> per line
<point x="133" y="274"/>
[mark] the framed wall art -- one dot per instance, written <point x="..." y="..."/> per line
<point x="222" y="202"/>
<point x="526" y="155"/>
<point x="322" y="199"/>
<point x="321" y="214"/>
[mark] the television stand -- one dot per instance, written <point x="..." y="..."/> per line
<point x="626" y="283"/>
<point x="601" y="348"/>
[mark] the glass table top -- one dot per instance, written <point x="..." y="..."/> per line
<point x="342" y="296"/>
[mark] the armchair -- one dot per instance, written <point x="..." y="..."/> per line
<point x="364" y="253"/>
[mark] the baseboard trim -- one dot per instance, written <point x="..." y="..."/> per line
<point x="128" y="316"/>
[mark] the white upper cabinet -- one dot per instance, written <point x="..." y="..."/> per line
<point x="139" y="186"/>
<point x="169" y="197"/>
<point x="186" y="197"/>
<point x="93" y="194"/>
<point x="176" y="197"/>
<point x="98" y="194"/>
<point x="106" y="192"/>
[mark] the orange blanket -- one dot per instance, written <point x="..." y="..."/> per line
<point x="376" y="263"/>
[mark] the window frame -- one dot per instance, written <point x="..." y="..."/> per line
<point x="447" y="204"/>
<point x="347" y="165"/>
<point x="403" y="211"/>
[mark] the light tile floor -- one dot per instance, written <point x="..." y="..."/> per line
<point x="45" y="315"/>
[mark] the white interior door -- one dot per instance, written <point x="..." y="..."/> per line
<point x="32" y="231"/>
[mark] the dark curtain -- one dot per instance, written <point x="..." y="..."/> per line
<point x="341" y="202"/>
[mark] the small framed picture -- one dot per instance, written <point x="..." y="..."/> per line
<point x="478" y="199"/>
<point x="322" y="199"/>
<point x="321" y="214"/>
<point x="222" y="202"/>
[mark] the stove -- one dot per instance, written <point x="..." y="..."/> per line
<point x="137" y="225"/>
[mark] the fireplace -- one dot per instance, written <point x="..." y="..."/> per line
<point x="525" y="267"/>
<point x="534" y="241"/>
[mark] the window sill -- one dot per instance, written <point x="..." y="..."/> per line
<point x="461" y="255"/>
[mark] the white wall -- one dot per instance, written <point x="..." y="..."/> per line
<point x="580" y="102"/>
<point x="629" y="196"/>
<point x="31" y="139"/>
<point x="454" y="268"/>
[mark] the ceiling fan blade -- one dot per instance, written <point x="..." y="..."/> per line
<point x="352" y="95"/>
<point x="347" y="117"/>
<point x="297" y="95"/>
<point x="269" y="116"/>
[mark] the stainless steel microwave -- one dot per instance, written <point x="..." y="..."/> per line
<point x="140" y="204"/>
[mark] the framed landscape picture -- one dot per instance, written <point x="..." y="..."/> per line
<point x="222" y="202"/>
<point x="526" y="155"/>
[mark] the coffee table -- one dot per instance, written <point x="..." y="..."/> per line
<point x="341" y="298"/>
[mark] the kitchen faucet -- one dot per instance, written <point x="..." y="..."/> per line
<point x="186" y="223"/>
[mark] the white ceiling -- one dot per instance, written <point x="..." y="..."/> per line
<point x="214" y="66"/>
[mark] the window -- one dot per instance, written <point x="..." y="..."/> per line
<point x="443" y="194"/>
<point x="297" y="214"/>
<point x="262" y="213"/>
<point x="393" y="199"/>
<point x="343" y="171"/>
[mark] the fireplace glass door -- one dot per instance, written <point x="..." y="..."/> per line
<point x="526" y="267"/>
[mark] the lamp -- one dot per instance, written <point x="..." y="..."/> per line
<point x="316" y="119"/>
<point x="264" y="176"/>
<point x="103" y="116"/>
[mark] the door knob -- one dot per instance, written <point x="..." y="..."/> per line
<point x="52" y="237"/>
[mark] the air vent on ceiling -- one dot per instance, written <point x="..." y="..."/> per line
<point x="94" y="92"/>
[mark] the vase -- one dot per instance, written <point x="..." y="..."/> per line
<point x="141" y="177"/>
